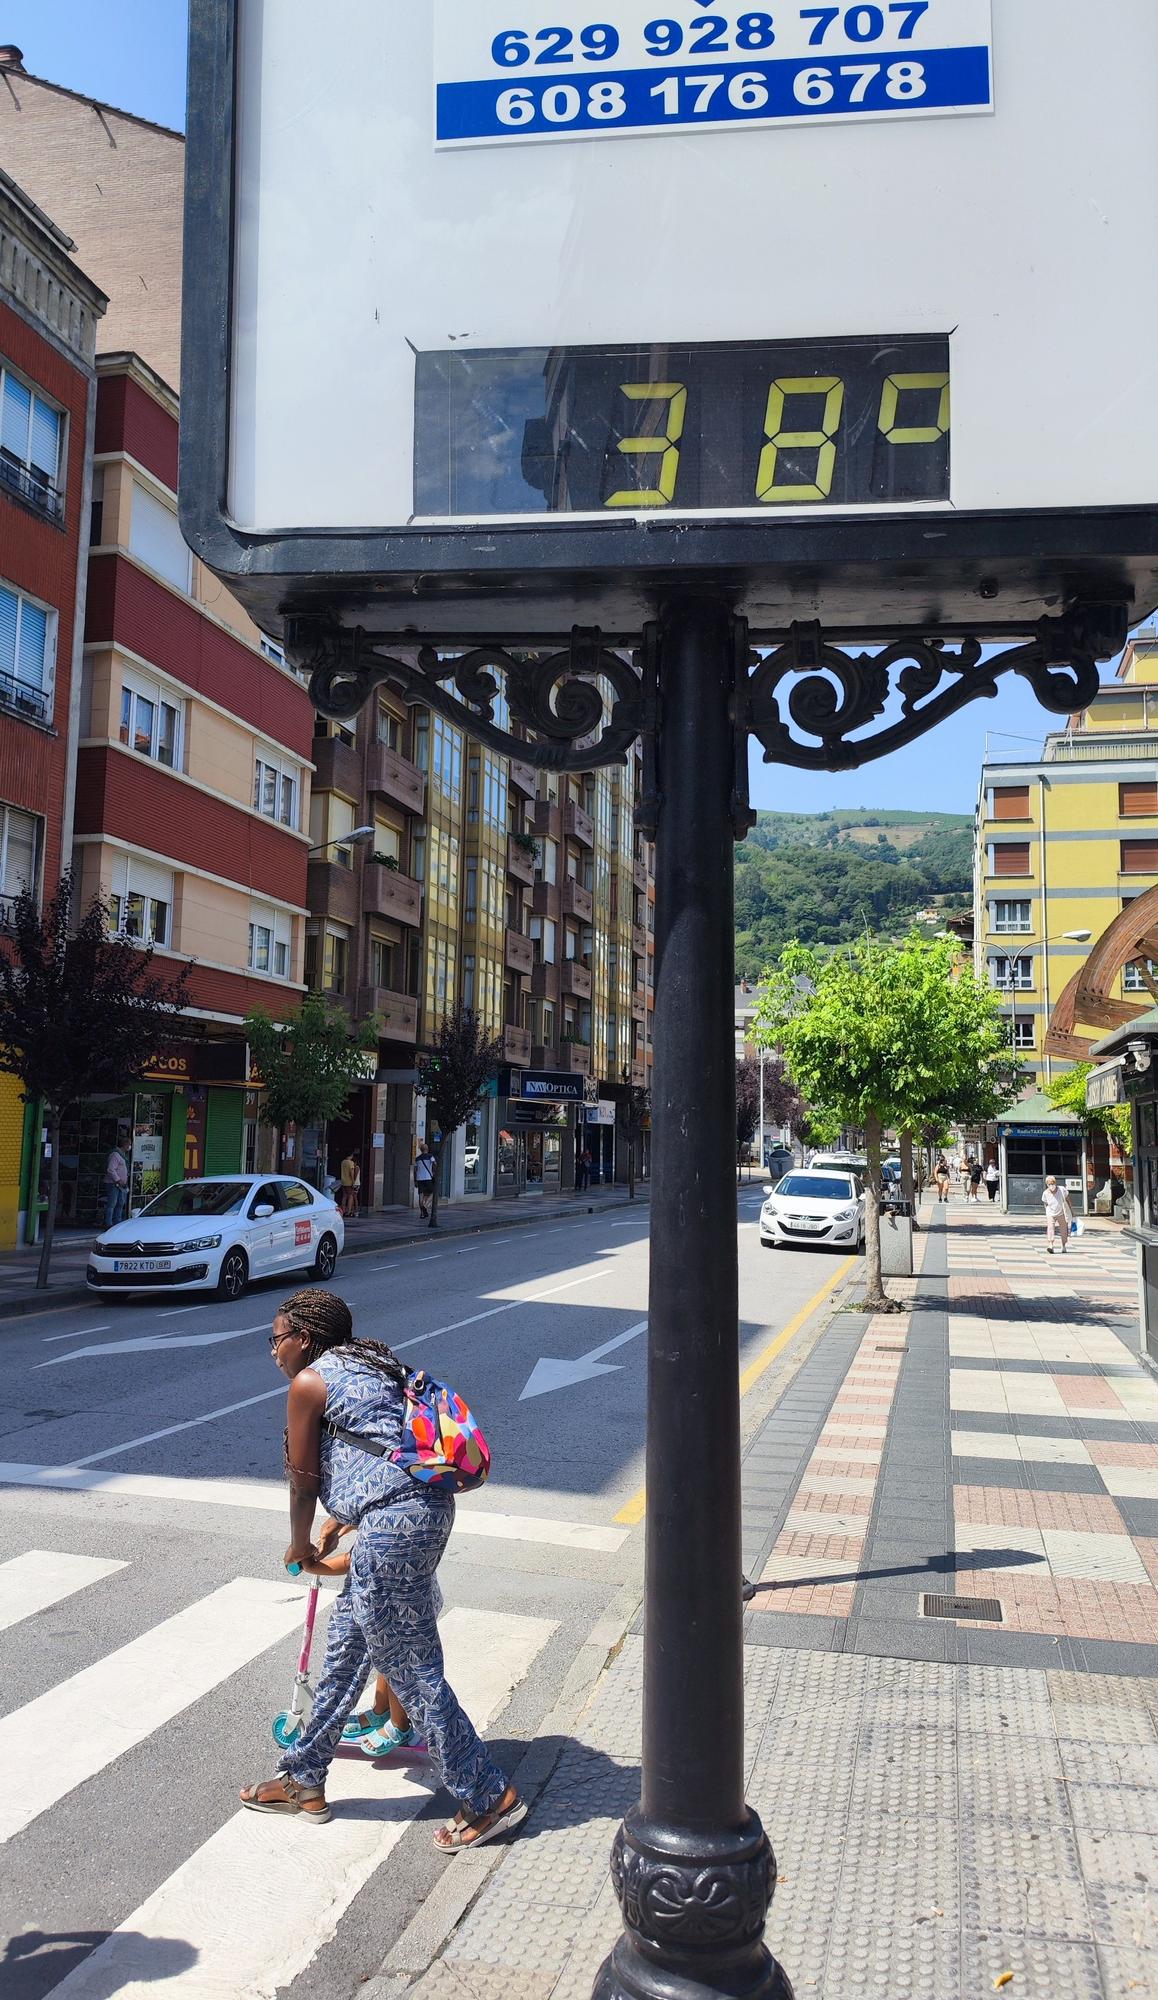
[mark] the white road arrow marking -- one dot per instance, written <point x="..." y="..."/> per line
<point x="547" y="1375"/>
<point x="149" y="1343"/>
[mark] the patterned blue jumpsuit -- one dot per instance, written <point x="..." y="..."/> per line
<point x="385" y="1618"/>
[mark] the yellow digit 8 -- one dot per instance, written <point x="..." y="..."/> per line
<point x="891" y="394"/>
<point x="823" y="441"/>
<point x="666" y="443"/>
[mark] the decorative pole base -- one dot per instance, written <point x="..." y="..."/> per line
<point x="694" y="1907"/>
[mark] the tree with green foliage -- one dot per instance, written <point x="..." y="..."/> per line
<point x="453" y="1075"/>
<point x="885" y="1035"/>
<point x="309" y="1065"/>
<point x="1068" y="1092"/>
<point x="81" y="1011"/>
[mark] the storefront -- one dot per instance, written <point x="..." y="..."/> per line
<point x="1037" y="1139"/>
<point x="535" y="1142"/>
<point x="185" y="1117"/>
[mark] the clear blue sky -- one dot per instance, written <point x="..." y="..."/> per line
<point x="132" y="53"/>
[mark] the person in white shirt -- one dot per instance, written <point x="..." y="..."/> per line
<point x="1059" y="1216"/>
<point x="993" y="1179"/>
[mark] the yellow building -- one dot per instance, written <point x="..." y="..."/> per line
<point x="1061" y="845"/>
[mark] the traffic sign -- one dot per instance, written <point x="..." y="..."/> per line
<point x="838" y="320"/>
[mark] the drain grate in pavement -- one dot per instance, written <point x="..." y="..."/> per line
<point x="985" y="1609"/>
<point x="887" y="1347"/>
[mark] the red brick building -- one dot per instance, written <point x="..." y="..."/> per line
<point x="49" y="312"/>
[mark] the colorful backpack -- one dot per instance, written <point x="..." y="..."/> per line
<point x="441" y="1443"/>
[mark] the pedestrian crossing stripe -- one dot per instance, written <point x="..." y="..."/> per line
<point x="38" y="1579"/>
<point x="250" y="1945"/>
<point x="131" y="1693"/>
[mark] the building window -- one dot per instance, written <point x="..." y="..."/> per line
<point x="468" y="980"/>
<point x="31" y="437"/>
<point x="388" y="840"/>
<point x="27" y="654"/>
<point x="19" y="857"/>
<point x="1021" y="1031"/>
<point x="272" y="650"/>
<point x="1012" y="916"/>
<point x="1012" y="974"/>
<point x="331" y="824"/>
<point x="389" y="728"/>
<point x="493" y="790"/>
<point x="1132" y="981"/>
<point x="1009" y="857"/>
<point x="470" y="904"/>
<point x="446" y="761"/>
<point x="386" y="964"/>
<point x="275" y="790"/>
<point x="149" y="724"/>
<point x="549" y="860"/>
<point x="330" y="731"/>
<point x="142" y="900"/>
<point x="269" y="943"/>
<point x="155" y="538"/>
<point x="1138" y="799"/>
<point x="1139" y="857"/>
<point x="336" y="960"/>
<point x="1009" y="802"/>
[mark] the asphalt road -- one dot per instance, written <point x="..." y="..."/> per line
<point x="147" y="1643"/>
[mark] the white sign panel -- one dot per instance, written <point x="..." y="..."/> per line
<point x="825" y="307"/>
<point x="605" y="69"/>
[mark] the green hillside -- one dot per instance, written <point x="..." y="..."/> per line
<point x="825" y="877"/>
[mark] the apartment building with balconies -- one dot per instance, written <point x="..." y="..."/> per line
<point x="49" y="313"/>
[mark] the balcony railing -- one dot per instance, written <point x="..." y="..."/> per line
<point x="19" y="698"/>
<point x="544" y="1055"/>
<point x="639" y="1075"/>
<point x="332" y="891"/>
<point x="520" y="952"/>
<point x="517" y="1046"/>
<point x="577" y="901"/>
<point x="338" y="767"/>
<point x="575" y="978"/>
<point x="394" y="777"/>
<point x="524" y="778"/>
<point x="638" y="1005"/>
<point x="639" y="871"/>
<point x="578" y="825"/>
<point x="638" y="940"/>
<point x="545" y="901"/>
<point x="397" y="1012"/>
<point x="545" y="982"/>
<point x="548" y="820"/>
<point x="520" y="860"/>
<point x="386" y="892"/>
<point x="32" y="489"/>
<point x="576" y="1057"/>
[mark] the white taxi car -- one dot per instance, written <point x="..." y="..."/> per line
<point x="808" y="1206"/>
<point x="217" y="1234"/>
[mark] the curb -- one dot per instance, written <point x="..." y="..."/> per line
<point x="40" y="1302"/>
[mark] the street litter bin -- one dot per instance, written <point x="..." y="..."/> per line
<point x="897" y="1240"/>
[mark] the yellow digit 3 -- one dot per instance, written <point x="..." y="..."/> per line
<point x="894" y="386"/>
<point x="666" y="442"/>
<point x="822" y="441"/>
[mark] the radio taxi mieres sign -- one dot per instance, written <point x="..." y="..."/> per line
<point x="548" y="71"/>
<point x="843" y="320"/>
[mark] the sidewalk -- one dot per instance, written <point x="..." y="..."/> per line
<point x="384" y="1230"/>
<point x="951" y="1797"/>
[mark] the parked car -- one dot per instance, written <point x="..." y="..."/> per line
<point x="810" y="1207"/>
<point x="844" y="1163"/>
<point x="217" y="1234"/>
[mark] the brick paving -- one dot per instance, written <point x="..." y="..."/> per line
<point x="952" y="1800"/>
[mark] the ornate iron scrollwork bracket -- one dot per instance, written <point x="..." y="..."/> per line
<point x="819" y="690"/>
<point x="576" y="723"/>
<point x="808" y="700"/>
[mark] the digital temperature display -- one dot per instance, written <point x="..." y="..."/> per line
<point x="703" y="428"/>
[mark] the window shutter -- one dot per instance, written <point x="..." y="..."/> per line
<point x="1011" y="857"/>
<point x="1011" y="802"/>
<point x="31" y="659"/>
<point x="45" y="453"/>
<point x="1137" y="798"/>
<point x="1139" y="857"/>
<point x="9" y="615"/>
<point x="14" y="419"/>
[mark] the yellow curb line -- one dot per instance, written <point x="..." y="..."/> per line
<point x="632" y="1514"/>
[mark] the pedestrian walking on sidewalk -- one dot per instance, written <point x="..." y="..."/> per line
<point x="351" y="1174"/>
<point x="424" y="1177"/>
<point x="993" y="1179"/>
<point x="343" y="1389"/>
<point x="1059" y="1216"/>
<point x="116" y="1188"/>
<point x="975" y="1179"/>
<point x="941" y="1176"/>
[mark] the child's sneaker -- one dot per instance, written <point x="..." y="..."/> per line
<point x="380" y="1742"/>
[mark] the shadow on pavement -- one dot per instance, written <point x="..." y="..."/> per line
<point x="33" y="1962"/>
<point x="946" y="1565"/>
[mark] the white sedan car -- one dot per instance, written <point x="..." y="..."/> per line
<point x="811" y="1207"/>
<point x="215" y="1235"/>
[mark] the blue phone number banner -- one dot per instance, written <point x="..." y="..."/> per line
<point x="502" y="78"/>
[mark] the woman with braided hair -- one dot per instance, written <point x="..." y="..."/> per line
<point x="342" y="1388"/>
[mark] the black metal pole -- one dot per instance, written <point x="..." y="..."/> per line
<point x="692" y="1866"/>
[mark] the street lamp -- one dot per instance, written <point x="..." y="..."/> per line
<point x="359" y="834"/>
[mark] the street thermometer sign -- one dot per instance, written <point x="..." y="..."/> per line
<point x="500" y="312"/>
